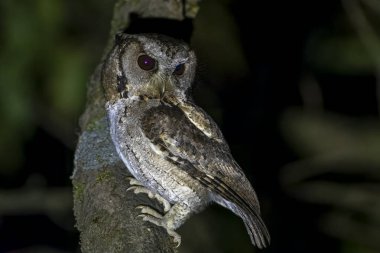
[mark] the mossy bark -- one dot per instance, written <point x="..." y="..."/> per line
<point x="105" y="212"/>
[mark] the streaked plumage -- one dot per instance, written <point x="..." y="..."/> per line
<point x="169" y="144"/>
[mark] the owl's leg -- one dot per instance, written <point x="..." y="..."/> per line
<point x="176" y="216"/>
<point x="137" y="187"/>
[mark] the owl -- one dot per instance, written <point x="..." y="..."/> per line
<point x="173" y="148"/>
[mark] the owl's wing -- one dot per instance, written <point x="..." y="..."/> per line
<point x="202" y="153"/>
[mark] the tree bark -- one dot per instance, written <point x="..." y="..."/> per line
<point x="105" y="212"/>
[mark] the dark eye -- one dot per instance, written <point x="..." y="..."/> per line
<point x="146" y="62"/>
<point x="179" y="69"/>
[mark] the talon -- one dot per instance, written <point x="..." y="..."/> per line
<point x="176" y="237"/>
<point x="152" y="219"/>
<point x="150" y="215"/>
<point x="146" y="210"/>
<point x="163" y="202"/>
<point x="141" y="189"/>
<point x="133" y="181"/>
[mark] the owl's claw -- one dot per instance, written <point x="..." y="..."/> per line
<point x="133" y="181"/>
<point x="176" y="237"/>
<point x="152" y="216"/>
<point x="138" y="188"/>
<point x="148" y="211"/>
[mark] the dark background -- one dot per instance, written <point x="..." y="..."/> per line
<point x="292" y="84"/>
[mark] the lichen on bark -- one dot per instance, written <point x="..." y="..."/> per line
<point x="105" y="212"/>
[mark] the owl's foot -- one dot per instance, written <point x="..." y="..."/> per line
<point x="133" y="181"/>
<point x="152" y="216"/>
<point x="137" y="187"/>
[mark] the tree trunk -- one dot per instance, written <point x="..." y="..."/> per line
<point x="105" y="212"/>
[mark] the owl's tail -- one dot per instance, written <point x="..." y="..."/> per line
<point x="250" y="214"/>
<point x="256" y="228"/>
<point x="241" y="199"/>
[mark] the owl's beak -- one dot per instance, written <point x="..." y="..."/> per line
<point x="160" y="86"/>
<point x="162" y="89"/>
<point x="165" y="86"/>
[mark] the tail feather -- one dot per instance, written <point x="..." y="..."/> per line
<point x="255" y="226"/>
<point x="240" y="199"/>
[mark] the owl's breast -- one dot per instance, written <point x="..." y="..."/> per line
<point x="141" y="156"/>
<point x="125" y="128"/>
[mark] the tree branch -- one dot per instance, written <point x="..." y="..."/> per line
<point x="104" y="210"/>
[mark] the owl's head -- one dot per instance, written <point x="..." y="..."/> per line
<point x="152" y="66"/>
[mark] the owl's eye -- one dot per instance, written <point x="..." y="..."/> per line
<point x="146" y="62"/>
<point x="179" y="69"/>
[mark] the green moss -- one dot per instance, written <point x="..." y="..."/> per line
<point x="96" y="122"/>
<point x="103" y="176"/>
<point x="78" y="191"/>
